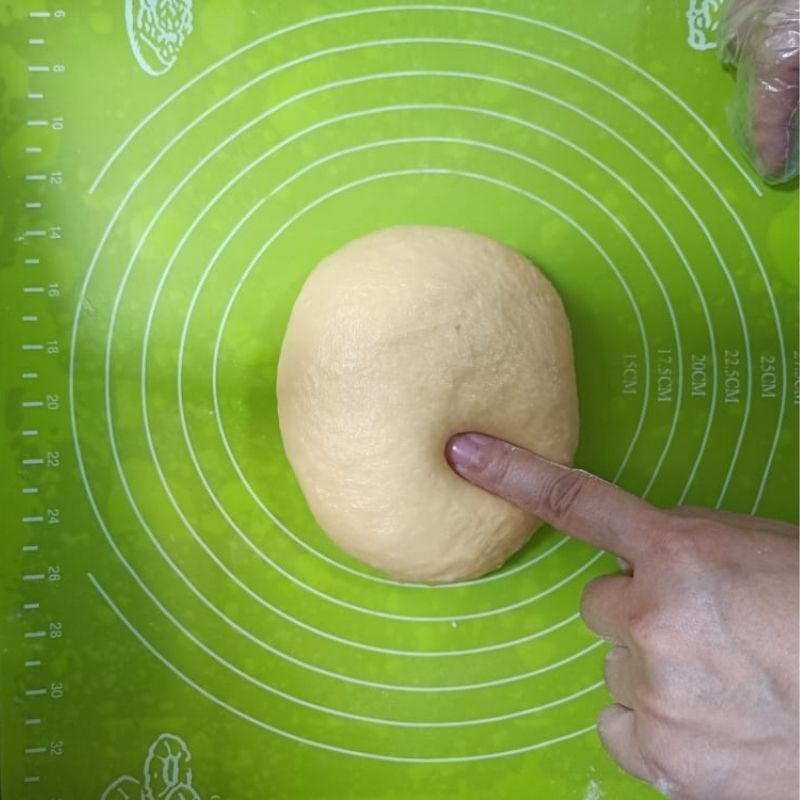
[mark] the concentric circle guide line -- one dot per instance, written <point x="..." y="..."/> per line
<point x="274" y="565"/>
<point x="222" y="510"/>
<point x="263" y="250"/>
<point x="115" y="310"/>
<point x="396" y="687"/>
<point x="424" y="7"/>
<point x="247" y="216"/>
<point x="477" y="176"/>
<point x="284" y="143"/>
<point x="591" y="647"/>
<point x="304" y="740"/>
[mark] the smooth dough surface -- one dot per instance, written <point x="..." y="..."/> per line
<point x="396" y="342"/>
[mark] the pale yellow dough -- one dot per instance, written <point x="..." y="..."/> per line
<point x="398" y="341"/>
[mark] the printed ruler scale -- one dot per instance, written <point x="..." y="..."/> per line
<point x="174" y="624"/>
<point x="34" y="393"/>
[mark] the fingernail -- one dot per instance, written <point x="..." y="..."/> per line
<point x="463" y="452"/>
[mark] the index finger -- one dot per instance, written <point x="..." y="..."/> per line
<point x="572" y="500"/>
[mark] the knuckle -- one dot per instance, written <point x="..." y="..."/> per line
<point x="494" y="465"/>
<point x="641" y="630"/>
<point x="685" y="511"/>
<point x="648" y="701"/>
<point x="650" y="632"/>
<point x="563" y="492"/>
<point x="685" y="537"/>
<point x="685" y="521"/>
<point x="654" y="700"/>
<point x="681" y="548"/>
<point x="500" y="467"/>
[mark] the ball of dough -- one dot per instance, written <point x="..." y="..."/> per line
<point x="397" y="342"/>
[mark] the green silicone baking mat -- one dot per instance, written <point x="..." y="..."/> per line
<point x="174" y="623"/>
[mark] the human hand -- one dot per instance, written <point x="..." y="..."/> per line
<point x="761" y="38"/>
<point x="704" y="623"/>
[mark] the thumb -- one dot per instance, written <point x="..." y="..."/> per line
<point x="578" y="503"/>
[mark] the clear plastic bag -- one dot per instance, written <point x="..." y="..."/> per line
<point x="761" y="39"/>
